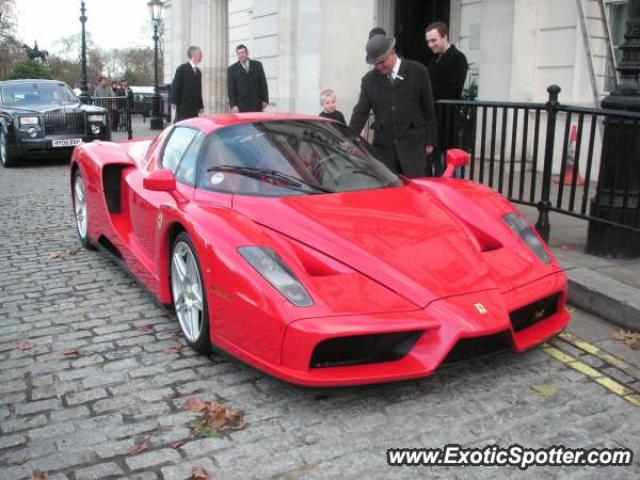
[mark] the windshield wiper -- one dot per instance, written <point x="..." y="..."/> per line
<point x="258" y="173"/>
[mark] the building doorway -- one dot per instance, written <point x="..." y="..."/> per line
<point x="411" y="18"/>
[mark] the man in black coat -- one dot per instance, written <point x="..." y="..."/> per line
<point x="448" y="66"/>
<point x="399" y="93"/>
<point x="186" y="88"/>
<point x="247" y="84"/>
<point x="448" y="71"/>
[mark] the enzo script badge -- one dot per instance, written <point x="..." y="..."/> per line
<point x="480" y="308"/>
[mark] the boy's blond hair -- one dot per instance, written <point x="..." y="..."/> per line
<point x="326" y="93"/>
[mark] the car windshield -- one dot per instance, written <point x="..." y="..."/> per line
<point x="37" y="93"/>
<point x="293" y="157"/>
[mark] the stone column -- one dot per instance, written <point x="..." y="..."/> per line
<point x="287" y="80"/>
<point x="209" y="31"/>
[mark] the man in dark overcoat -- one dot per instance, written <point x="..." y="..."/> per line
<point x="247" y="84"/>
<point x="186" y="88"/>
<point x="399" y="93"/>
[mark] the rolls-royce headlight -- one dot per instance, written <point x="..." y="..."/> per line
<point x="28" y="121"/>
<point x="33" y="133"/>
<point x="269" y="264"/>
<point x="95" y="118"/>
<point x="521" y="228"/>
<point x="95" y="129"/>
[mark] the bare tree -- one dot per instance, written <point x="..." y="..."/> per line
<point x="11" y="51"/>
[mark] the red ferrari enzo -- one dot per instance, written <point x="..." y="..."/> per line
<point x="283" y="240"/>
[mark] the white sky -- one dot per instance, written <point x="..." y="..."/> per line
<point x="112" y="23"/>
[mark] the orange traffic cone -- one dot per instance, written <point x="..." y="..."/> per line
<point x="569" y="171"/>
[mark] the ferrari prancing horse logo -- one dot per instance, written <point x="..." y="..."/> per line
<point x="159" y="221"/>
<point x="481" y="309"/>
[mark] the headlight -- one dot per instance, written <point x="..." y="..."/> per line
<point x="95" y="129"/>
<point x="524" y="231"/>
<point x="95" y="118"/>
<point x="28" y="121"/>
<point x="269" y="264"/>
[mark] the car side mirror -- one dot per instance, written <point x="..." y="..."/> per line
<point x="160" y="181"/>
<point x="455" y="158"/>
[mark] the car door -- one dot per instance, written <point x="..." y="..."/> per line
<point x="144" y="205"/>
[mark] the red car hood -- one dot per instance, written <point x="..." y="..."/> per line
<point x="399" y="237"/>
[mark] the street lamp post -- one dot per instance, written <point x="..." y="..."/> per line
<point x="84" y="95"/>
<point x="156" y="122"/>
<point x="617" y="196"/>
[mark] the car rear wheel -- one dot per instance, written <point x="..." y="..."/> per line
<point x="6" y="158"/>
<point x="188" y="293"/>
<point x="81" y="210"/>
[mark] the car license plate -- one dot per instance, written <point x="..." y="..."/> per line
<point x="68" y="142"/>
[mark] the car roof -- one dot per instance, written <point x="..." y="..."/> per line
<point x="31" y="80"/>
<point x="210" y="123"/>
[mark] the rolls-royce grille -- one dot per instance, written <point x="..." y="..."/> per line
<point x="70" y="123"/>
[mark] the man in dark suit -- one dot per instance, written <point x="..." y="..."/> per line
<point x="247" y="84"/>
<point x="399" y="93"/>
<point x="186" y="88"/>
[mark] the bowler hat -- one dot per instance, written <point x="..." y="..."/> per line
<point x="378" y="48"/>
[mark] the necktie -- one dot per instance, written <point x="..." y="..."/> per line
<point x="246" y="67"/>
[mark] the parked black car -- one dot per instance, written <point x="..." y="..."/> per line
<point x="45" y="118"/>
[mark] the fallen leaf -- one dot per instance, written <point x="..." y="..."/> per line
<point x="630" y="339"/>
<point x="141" y="447"/>
<point x="305" y="468"/>
<point x="198" y="431"/>
<point x="220" y="417"/>
<point x="53" y="255"/>
<point x="215" y="417"/>
<point x="72" y="251"/>
<point x="68" y="352"/>
<point x="544" y="390"/>
<point x="199" y="473"/>
<point x="620" y="335"/>
<point x="145" y="328"/>
<point x="25" y="346"/>
<point x="38" y="475"/>
<point x="195" y="404"/>
<point x="177" y="349"/>
<point x="177" y="444"/>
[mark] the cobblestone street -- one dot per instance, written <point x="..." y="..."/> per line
<point x="91" y="369"/>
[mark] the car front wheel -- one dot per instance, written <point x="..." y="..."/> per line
<point x="81" y="210"/>
<point x="188" y="294"/>
<point x="6" y="158"/>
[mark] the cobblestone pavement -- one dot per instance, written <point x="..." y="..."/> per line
<point x="79" y="416"/>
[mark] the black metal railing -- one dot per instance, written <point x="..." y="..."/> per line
<point x="546" y="155"/>
<point x="119" y="110"/>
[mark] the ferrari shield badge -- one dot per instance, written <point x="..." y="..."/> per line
<point x="159" y="221"/>
<point x="481" y="309"/>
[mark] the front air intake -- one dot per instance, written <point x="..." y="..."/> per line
<point x="534" y="312"/>
<point x="363" y="349"/>
<point x="477" y="347"/>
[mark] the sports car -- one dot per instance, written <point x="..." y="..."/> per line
<point x="284" y="241"/>
<point x="45" y="118"/>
